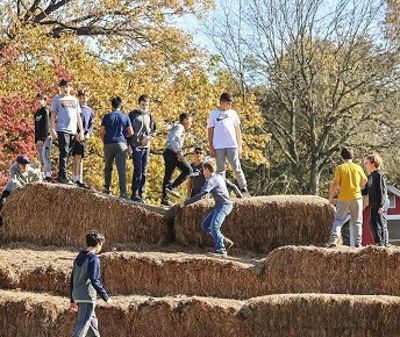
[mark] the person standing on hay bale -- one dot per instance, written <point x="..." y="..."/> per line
<point x="78" y="151"/>
<point x="225" y="139"/>
<point x="197" y="179"/>
<point x="349" y="180"/>
<point x="85" y="285"/>
<point x="43" y="139"/>
<point x="21" y="174"/>
<point x="377" y="199"/>
<point x="144" y="129"/>
<point x="215" y="184"/>
<point x="174" y="158"/>
<point x="115" y="128"/>
<point x="64" y="123"/>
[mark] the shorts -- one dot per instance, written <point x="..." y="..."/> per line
<point x="79" y="149"/>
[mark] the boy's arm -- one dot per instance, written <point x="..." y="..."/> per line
<point x="239" y="139"/>
<point x="102" y="133"/>
<point x="210" y="135"/>
<point x="333" y="190"/>
<point x="80" y="124"/>
<point x="71" y="286"/>
<point x="94" y="275"/>
<point x="189" y="188"/>
<point x="53" y="116"/>
<point x="207" y="188"/>
<point x="89" y="131"/>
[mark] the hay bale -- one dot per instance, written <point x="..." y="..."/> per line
<point x="262" y="223"/>
<point x="370" y="270"/>
<point x="162" y="274"/>
<point x="311" y="315"/>
<point x="50" y="214"/>
<point x="27" y="315"/>
<point x="306" y="315"/>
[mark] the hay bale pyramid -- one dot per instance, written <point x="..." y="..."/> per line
<point x="279" y="281"/>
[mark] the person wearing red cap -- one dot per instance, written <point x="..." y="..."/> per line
<point x="21" y="174"/>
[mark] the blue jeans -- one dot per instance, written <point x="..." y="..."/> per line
<point x="213" y="222"/>
<point x="140" y="162"/>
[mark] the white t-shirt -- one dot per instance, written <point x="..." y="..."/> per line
<point x="68" y="110"/>
<point x="224" y="124"/>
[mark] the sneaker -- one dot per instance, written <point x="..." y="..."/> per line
<point x="331" y="244"/>
<point x="62" y="180"/>
<point x="166" y="202"/>
<point x="106" y="191"/>
<point x="228" y="243"/>
<point x="136" y="198"/>
<point x="80" y="184"/>
<point x="48" y="180"/>
<point x="217" y="254"/>
<point x="124" y="196"/>
<point x="172" y="191"/>
<point x="245" y="193"/>
<point x="358" y="245"/>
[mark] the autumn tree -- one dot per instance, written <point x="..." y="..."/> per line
<point x="325" y="77"/>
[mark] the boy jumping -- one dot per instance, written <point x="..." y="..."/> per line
<point x="85" y="284"/>
<point x="215" y="184"/>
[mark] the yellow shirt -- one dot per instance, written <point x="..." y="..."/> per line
<point x="349" y="177"/>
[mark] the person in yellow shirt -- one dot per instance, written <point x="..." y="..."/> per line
<point x="349" y="180"/>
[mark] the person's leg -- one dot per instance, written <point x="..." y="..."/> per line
<point x="4" y="195"/>
<point x="39" y="149"/>
<point x="145" y="164"/>
<point x="170" y="164"/>
<point x="63" y="148"/>
<point x="356" y="212"/>
<point x="206" y="222"/>
<point x="94" y="326"/>
<point x="109" y="156"/>
<point x="234" y="161"/>
<point x="84" y="319"/>
<point x="185" y="169"/>
<point x="342" y="211"/>
<point x="220" y="155"/>
<point x="375" y="226"/>
<point x="120" y="160"/>
<point x="46" y="157"/>
<point x="217" y="220"/>
<point x="76" y="167"/>
<point x="137" y="171"/>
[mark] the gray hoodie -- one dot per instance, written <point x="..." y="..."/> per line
<point x="85" y="281"/>
<point x="144" y="126"/>
<point x="18" y="179"/>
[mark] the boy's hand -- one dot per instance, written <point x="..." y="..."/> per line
<point x="212" y="152"/>
<point x="182" y="205"/>
<point x="73" y="307"/>
<point x="53" y="134"/>
<point x="380" y="210"/>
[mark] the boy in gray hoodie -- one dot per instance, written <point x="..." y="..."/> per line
<point x="85" y="285"/>
<point x="144" y="129"/>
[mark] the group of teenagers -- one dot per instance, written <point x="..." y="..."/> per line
<point x="69" y="122"/>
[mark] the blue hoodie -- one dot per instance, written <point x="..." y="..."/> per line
<point x="85" y="281"/>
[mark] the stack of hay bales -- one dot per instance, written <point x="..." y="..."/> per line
<point x="47" y="214"/>
<point x="262" y="223"/>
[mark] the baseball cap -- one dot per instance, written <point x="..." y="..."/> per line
<point x="23" y="160"/>
<point x="226" y="97"/>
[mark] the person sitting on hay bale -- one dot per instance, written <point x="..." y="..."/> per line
<point x="21" y="174"/>
<point x="216" y="185"/>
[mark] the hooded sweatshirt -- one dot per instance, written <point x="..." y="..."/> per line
<point x="144" y="126"/>
<point x="85" y="281"/>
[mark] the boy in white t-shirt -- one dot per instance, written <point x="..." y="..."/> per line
<point x="225" y="139"/>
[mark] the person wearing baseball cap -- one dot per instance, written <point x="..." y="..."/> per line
<point x="21" y="174"/>
<point x="225" y="139"/>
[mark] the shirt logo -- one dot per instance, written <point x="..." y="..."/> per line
<point x="221" y="117"/>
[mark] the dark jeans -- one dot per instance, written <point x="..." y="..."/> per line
<point x="378" y="226"/>
<point x="140" y="162"/>
<point x="66" y="143"/>
<point x="3" y="197"/>
<point x="171" y="162"/>
<point x="115" y="152"/>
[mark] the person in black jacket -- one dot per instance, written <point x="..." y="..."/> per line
<point x="377" y="199"/>
<point x="43" y="139"/>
